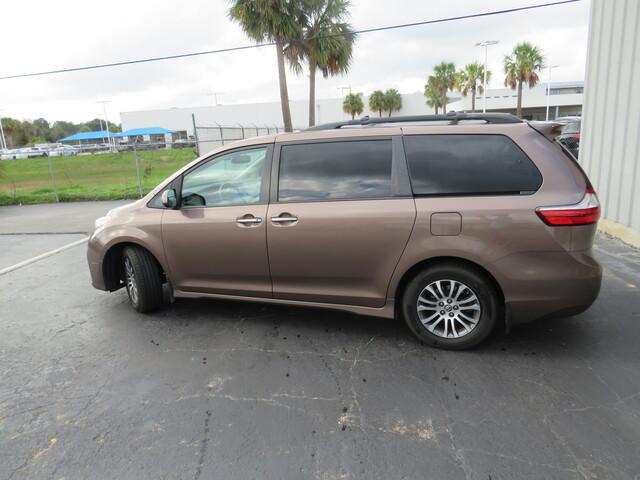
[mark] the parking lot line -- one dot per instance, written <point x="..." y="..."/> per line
<point x="42" y="256"/>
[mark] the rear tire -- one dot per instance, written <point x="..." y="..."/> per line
<point x="142" y="279"/>
<point x="450" y="306"/>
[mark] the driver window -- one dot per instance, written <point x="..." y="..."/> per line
<point x="231" y="179"/>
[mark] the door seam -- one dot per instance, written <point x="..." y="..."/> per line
<point x="395" y="268"/>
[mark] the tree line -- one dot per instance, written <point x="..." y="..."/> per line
<point x="521" y="68"/>
<point x="316" y="32"/>
<point x="20" y="133"/>
<point x="382" y="102"/>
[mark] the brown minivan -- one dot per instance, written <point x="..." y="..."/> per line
<point x="456" y="223"/>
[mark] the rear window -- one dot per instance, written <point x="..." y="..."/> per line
<point x="335" y="171"/>
<point x="469" y="164"/>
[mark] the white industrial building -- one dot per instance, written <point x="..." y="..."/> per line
<point x="610" y="136"/>
<point x="564" y="99"/>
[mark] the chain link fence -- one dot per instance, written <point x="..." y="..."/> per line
<point x="209" y="137"/>
<point x="126" y="171"/>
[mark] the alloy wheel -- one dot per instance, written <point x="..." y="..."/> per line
<point x="448" y="308"/>
<point x="132" y="285"/>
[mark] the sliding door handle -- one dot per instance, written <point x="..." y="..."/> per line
<point x="284" y="219"/>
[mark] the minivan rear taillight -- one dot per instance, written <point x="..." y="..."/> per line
<point x="586" y="212"/>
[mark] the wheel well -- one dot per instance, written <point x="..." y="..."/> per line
<point x="431" y="262"/>
<point x="112" y="266"/>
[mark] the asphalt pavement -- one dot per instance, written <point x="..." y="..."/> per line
<point x="213" y="389"/>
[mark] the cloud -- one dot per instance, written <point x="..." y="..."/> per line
<point x="79" y="33"/>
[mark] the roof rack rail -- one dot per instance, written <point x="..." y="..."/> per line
<point x="451" y="117"/>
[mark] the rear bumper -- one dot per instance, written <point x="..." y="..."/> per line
<point x="549" y="284"/>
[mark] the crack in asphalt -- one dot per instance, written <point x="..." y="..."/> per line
<point x="203" y="445"/>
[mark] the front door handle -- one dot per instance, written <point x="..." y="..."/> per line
<point x="249" y="220"/>
<point x="284" y="218"/>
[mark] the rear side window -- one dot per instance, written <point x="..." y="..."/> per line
<point x="468" y="165"/>
<point x="335" y="171"/>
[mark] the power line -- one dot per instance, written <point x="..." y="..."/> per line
<point x="268" y="44"/>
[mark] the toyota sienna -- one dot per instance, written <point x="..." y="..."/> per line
<point x="455" y="223"/>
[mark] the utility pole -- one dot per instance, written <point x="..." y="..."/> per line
<point x="3" y="140"/>
<point x="195" y="133"/>
<point x="106" y="121"/>
<point x="485" y="44"/>
<point x="549" y="87"/>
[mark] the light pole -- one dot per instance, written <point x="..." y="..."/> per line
<point x="549" y="86"/>
<point x="485" y="44"/>
<point x="215" y="97"/>
<point x="342" y="89"/>
<point x="106" y="121"/>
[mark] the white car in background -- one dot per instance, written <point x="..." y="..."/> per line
<point x="63" y="151"/>
<point x="41" y="150"/>
<point x="54" y="150"/>
<point x="22" y="153"/>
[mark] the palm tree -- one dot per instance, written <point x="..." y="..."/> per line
<point x="521" y="67"/>
<point x="446" y="79"/>
<point x="470" y="79"/>
<point x="433" y="94"/>
<point x="276" y="21"/>
<point x="392" y="101"/>
<point x="353" y="104"/>
<point x="327" y="43"/>
<point x="377" y="102"/>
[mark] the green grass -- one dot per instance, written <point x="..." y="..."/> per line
<point x="109" y="176"/>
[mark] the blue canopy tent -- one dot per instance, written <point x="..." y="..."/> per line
<point x="136" y="132"/>
<point x="86" y="136"/>
<point x="102" y="134"/>
<point x="130" y="136"/>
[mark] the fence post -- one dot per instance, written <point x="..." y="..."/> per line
<point x="221" y="134"/>
<point x="195" y="133"/>
<point x="135" y="152"/>
<point x="53" y="180"/>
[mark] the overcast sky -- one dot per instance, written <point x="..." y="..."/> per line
<point x="42" y="35"/>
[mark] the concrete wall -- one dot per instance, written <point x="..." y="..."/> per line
<point x="330" y="110"/>
<point x="610" y="141"/>
<point x="258" y="114"/>
<point x="534" y="101"/>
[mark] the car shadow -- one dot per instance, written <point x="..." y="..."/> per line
<point x="309" y="318"/>
<point x="562" y="336"/>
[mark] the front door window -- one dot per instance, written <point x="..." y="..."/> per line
<point x="231" y="179"/>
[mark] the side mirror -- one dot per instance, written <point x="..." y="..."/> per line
<point x="169" y="198"/>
